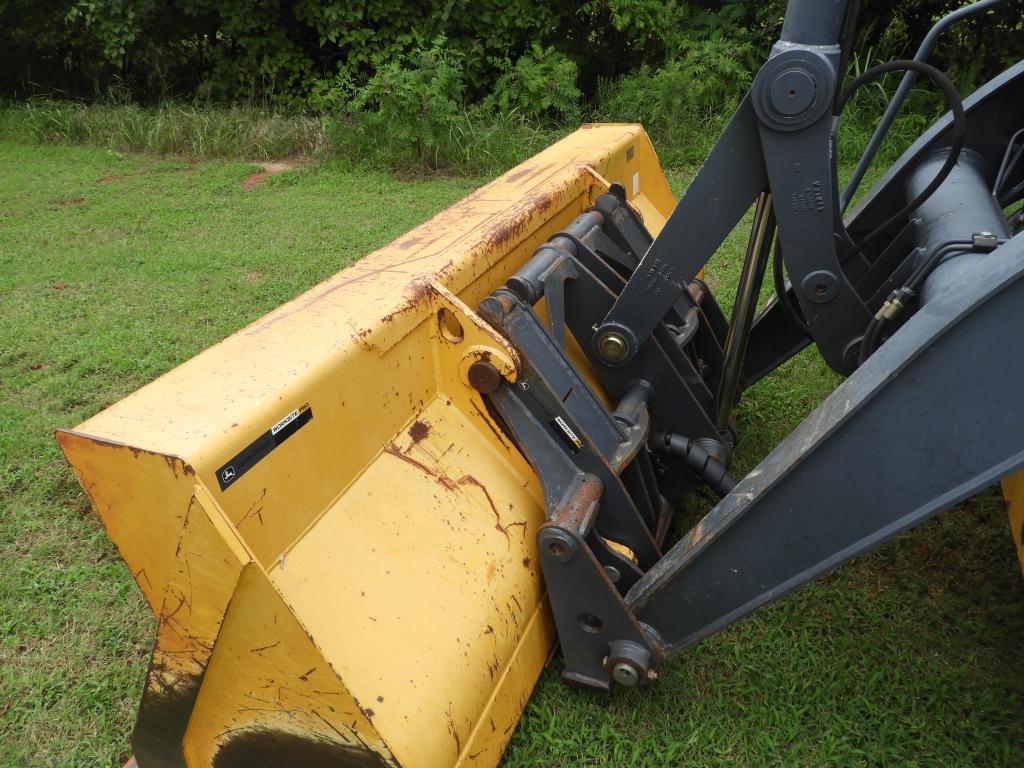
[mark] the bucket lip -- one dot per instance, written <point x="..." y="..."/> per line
<point x="558" y="167"/>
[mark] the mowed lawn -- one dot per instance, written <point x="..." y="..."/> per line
<point x="114" y="268"/>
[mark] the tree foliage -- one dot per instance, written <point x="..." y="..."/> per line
<point x="534" y="56"/>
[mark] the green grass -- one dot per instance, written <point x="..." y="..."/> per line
<point x="115" y="268"/>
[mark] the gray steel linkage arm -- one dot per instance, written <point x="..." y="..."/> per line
<point x="780" y="140"/>
<point x="899" y="441"/>
<point x="934" y="416"/>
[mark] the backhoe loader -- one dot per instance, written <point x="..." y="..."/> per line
<point x="365" y="521"/>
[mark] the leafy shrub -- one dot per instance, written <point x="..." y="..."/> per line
<point x="281" y="51"/>
<point x="413" y="114"/>
<point x="541" y="86"/>
<point x="274" y="51"/>
<point x="413" y="104"/>
<point x="684" y="102"/>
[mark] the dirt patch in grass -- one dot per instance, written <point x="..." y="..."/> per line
<point x="269" y="169"/>
<point x="114" y="177"/>
<point x="73" y="202"/>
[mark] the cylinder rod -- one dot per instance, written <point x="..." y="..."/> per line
<point x="754" y="263"/>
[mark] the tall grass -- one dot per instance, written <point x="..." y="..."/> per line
<point x="178" y="129"/>
<point x="470" y="142"/>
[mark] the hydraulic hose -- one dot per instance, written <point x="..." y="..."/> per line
<point x="703" y="464"/>
<point x="904" y="88"/>
<point x="898" y="300"/>
<point x="958" y="135"/>
<point x="782" y="294"/>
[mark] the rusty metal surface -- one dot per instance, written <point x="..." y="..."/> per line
<point x="390" y="537"/>
<point x="578" y="511"/>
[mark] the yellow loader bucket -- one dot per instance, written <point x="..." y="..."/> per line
<point x="335" y="535"/>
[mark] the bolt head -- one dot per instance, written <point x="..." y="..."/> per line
<point x="613" y="573"/>
<point x="793" y="92"/>
<point x="625" y="674"/>
<point x="484" y="377"/>
<point x="613" y="346"/>
<point x="557" y="545"/>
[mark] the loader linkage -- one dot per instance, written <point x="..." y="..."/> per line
<point x="899" y="441"/>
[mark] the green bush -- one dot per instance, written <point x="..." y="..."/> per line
<point x="412" y="105"/>
<point x="659" y="98"/>
<point x="541" y="86"/>
<point x="268" y="52"/>
<point x="685" y="101"/>
<point x="288" y="53"/>
<point x="414" y="114"/>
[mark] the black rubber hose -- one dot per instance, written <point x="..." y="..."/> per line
<point x="869" y="343"/>
<point x="706" y="466"/>
<point x="932" y="260"/>
<point x="873" y="333"/>
<point x="782" y="295"/>
<point x="956" y="106"/>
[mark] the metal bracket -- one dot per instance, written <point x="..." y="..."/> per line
<point x="601" y="639"/>
<point x="482" y="356"/>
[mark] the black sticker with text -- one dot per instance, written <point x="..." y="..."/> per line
<point x="249" y="456"/>
<point x="565" y="432"/>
